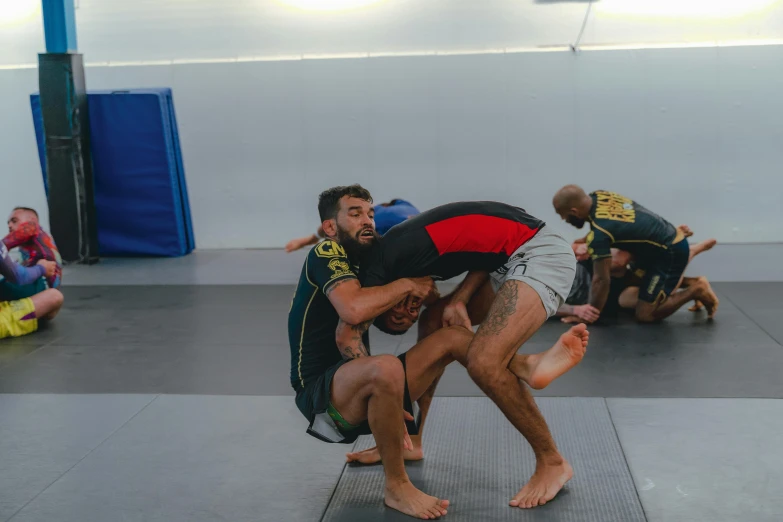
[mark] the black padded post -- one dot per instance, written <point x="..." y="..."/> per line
<point x="66" y="126"/>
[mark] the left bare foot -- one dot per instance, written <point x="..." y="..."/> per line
<point x="545" y="483"/>
<point x="564" y="355"/>
<point x="372" y="456"/>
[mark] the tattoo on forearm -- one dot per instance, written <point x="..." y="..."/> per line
<point x="503" y="307"/>
<point x="352" y="347"/>
<point x="361" y="327"/>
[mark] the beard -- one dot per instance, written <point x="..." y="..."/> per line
<point x="575" y="221"/>
<point x="354" y="247"/>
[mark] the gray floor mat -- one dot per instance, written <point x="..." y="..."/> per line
<point x="193" y="459"/>
<point x="475" y="458"/>
<point x="44" y="436"/>
<point x="694" y="460"/>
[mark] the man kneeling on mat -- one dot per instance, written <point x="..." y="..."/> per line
<point x="531" y="271"/>
<point x="660" y="251"/>
<point x="343" y="390"/>
<point x="625" y="280"/>
<point x="20" y="317"/>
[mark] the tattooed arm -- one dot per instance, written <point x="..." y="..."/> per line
<point x="349" y="339"/>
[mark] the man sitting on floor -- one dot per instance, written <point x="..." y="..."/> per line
<point x="20" y="317"/>
<point x="532" y="269"/>
<point x="625" y="280"/>
<point x="660" y="251"/>
<point x="35" y="245"/>
<point x="387" y="215"/>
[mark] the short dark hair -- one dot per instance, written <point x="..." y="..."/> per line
<point x="329" y="200"/>
<point x="27" y="209"/>
<point x="381" y="325"/>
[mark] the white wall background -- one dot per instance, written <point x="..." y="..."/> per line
<point x="693" y="133"/>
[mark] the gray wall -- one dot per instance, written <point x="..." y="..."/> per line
<point x="693" y="133"/>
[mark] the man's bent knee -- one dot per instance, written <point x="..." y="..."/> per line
<point x="387" y="374"/>
<point x="483" y="371"/>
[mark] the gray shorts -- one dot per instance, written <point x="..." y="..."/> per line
<point x="546" y="263"/>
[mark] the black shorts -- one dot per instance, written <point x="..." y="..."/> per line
<point x="662" y="278"/>
<point x="313" y="401"/>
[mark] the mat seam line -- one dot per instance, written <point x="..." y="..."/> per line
<point x="751" y="319"/>
<point x="336" y="485"/>
<point x="52" y="483"/>
<point x="625" y="458"/>
<point x="11" y="363"/>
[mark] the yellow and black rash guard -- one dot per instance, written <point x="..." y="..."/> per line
<point x="618" y="221"/>
<point x="312" y="320"/>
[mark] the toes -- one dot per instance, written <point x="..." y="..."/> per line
<point x="434" y="512"/>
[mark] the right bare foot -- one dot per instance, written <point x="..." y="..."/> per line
<point x="564" y="355"/>
<point x="545" y="483"/>
<point x="707" y="297"/>
<point x="372" y="456"/>
<point x="407" y="499"/>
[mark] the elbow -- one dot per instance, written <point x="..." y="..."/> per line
<point x="351" y="314"/>
<point x="357" y="316"/>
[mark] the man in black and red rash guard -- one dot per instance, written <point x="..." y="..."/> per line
<point x="526" y="270"/>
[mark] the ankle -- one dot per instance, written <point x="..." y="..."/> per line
<point x="549" y="459"/>
<point x="396" y="483"/>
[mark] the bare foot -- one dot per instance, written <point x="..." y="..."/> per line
<point x="409" y="500"/>
<point x="707" y="244"/>
<point x="564" y="355"/>
<point x="697" y="305"/>
<point x="707" y="297"/>
<point x="686" y="230"/>
<point x="372" y="456"/>
<point x="545" y="483"/>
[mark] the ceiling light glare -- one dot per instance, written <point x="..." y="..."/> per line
<point x="708" y="9"/>
<point x="14" y="12"/>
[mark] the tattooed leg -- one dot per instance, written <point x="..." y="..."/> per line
<point x="515" y="315"/>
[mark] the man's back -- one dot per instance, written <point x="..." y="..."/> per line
<point x="449" y="240"/>
<point x="618" y="220"/>
<point x="391" y="214"/>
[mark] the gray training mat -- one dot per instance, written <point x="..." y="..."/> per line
<point x="476" y="459"/>
<point x="694" y="460"/>
<point x="198" y="459"/>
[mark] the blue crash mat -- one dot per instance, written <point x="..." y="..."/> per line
<point x="140" y="190"/>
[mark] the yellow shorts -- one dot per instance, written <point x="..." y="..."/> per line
<point x="11" y="315"/>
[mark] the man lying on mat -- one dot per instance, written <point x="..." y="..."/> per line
<point x="626" y="279"/>
<point x="386" y="216"/>
<point x="660" y="251"/>
<point x="520" y="273"/>
<point x="20" y="317"/>
<point x="343" y="391"/>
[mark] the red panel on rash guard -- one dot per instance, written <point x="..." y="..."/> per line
<point x="490" y="234"/>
